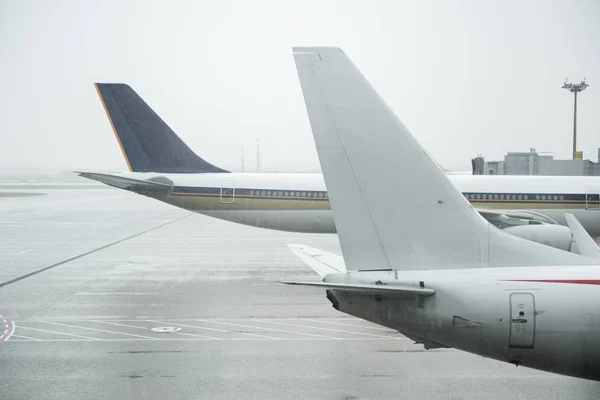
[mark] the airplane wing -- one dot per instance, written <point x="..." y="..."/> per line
<point x="587" y="246"/>
<point x="388" y="292"/>
<point x="133" y="185"/>
<point x="320" y="261"/>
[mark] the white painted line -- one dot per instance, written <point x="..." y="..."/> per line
<point x="50" y="340"/>
<point x="218" y="330"/>
<point x="24" y="337"/>
<point x="239" y="339"/>
<point x="11" y="332"/>
<point x="82" y="318"/>
<point x="116" y="324"/>
<point x="100" y="330"/>
<point x="329" y="329"/>
<point x="146" y="329"/>
<point x="268" y="329"/>
<point x="25" y="251"/>
<point x="117" y="294"/>
<point x="56" y="333"/>
<point x="340" y="323"/>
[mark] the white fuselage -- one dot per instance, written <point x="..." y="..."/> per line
<point x="479" y="311"/>
<point x="299" y="202"/>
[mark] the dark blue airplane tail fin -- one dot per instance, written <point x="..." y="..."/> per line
<point x="147" y="142"/>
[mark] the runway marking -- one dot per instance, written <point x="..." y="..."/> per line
<point x="32" y="273"/>
<point x="218" y="330"/>
<point x="99" y="330"/>
<point x="25" y="251"/>
<point x="7" y="327"/>
<point x="324" y="329"/>
<point x="269" y="329"/>
<point x="239" y="339"/>
<point x="83" y="318"/>
<point x="55" y="333"/>
<point x="24" y="337"/>
<point x="146" y="329"/>
<point x="116" y="294"/>
<point x="249" y="324"/>
<point x="340" y="323"/>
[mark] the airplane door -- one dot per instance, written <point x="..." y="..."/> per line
<point x="522" y="321"/>
<point x="228" y="191"/>
<point x="592" y="198"/>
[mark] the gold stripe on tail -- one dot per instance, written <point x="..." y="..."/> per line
<point x="113" y="127"/>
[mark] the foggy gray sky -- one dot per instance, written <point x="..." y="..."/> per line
<point x="466" y="77"/>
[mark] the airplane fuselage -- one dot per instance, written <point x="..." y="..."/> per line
<point x="299" y="202"/>
<point x="543" y="318"/>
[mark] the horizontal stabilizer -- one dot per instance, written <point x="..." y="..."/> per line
<point x="587" y="246"/>
<point x="388" y="292"/>
<point x="320" y="261"/>
<point x="156" y="188"/>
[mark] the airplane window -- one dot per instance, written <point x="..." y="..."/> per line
<point x="308" y="194"/>
<point x="514" y="197"/>
<point x="561" y="197"/>
<point x="520" y="197"/>
<point x="537" y="197"/>
<point x="292" y="194"/>
<point x="525" y="197"/>
<point x="495" y="197"/>
<point x="478" y="196"/>
<point x="262" y="193"/>
<point x="485" y="196"/>
<point x="555" y="197"/>
<point x="269" y="193"/>
<point x="543" y="197"/>
<point x="252" y="193"/>
<point x="303" y="194"/>
<point x="501" y="197"/>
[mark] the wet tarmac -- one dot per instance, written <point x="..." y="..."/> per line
<point x="109" y="295"/>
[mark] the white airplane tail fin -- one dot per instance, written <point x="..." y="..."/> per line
<point x="587" y="246"/>
<point x="393" y="206"/>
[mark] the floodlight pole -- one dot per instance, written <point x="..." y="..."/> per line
<point x="575" y="88"/>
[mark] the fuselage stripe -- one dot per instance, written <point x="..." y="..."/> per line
<point x="571" y="281"/>
<point x="527" y="199"/>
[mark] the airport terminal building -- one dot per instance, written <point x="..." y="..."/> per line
<point x="533" y="163"/>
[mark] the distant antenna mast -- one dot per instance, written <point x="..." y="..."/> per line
<point x="257" y="155"/>
<point x="243" y="163"/>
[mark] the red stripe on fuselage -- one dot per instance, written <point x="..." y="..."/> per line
<point x="573" y="281"/>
